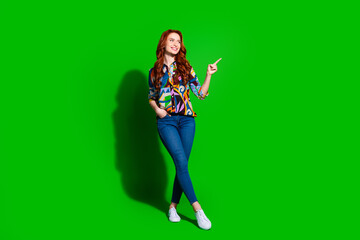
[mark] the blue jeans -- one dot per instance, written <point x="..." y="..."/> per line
<point x="177" y="134"/>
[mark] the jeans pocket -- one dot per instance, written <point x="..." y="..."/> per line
<point x="164" y="117"/>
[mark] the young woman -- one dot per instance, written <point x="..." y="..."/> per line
<point x="169" y="82"/>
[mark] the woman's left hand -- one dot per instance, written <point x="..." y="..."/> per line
<point x="212" y="68"/>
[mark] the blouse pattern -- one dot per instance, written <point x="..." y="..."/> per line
<point x="174" y="98"/>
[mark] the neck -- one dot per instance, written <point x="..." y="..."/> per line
<point x="169" y="59"/>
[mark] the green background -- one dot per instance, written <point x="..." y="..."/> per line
<point x="276" y="139"/>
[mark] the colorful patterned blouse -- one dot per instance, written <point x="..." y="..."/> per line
<point x="174" y="98"/>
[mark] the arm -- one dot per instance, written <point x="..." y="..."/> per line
<point x="206" y="84"/>
<point x="153" y="96"/>
<point x="200" y="91"/>
<point x="153" y="105"/>
<point x="212" y="68"/>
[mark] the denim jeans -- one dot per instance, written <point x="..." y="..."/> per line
<point x="177" y="134"/>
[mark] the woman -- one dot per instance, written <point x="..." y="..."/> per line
<point x="169" y="82"/>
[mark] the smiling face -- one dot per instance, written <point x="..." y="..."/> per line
<point x="173" y="43"/>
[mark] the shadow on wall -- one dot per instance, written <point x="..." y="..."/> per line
<point x="138" y="158"/>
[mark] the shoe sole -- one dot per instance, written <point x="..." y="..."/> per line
<point x="174" y="221"/>
<point x="204" y="228"/>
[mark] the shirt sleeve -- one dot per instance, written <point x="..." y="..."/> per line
<point x="196" y="87"/>
<point x="153" y="95"/>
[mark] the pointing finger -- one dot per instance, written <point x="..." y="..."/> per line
<point x="217" y="61"/>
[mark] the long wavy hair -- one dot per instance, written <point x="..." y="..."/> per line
<point x="183" y="66"/>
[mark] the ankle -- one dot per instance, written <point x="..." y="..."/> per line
<point x="196" y="209"/>
<point x="172" y="205"/>
<point x="196" y="206"/>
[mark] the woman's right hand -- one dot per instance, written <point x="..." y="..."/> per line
<point x="161" y="113"/>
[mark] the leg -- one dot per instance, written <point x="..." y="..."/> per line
<point x="174" y="203"/>
<point x="170" y="137"/>
<point x="187" y="133"/>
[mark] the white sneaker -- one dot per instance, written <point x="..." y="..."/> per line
<point x="202" y="220"/>
<point x="173" y="216"/>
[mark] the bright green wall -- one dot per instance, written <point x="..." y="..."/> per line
<point x="80" y="154"/>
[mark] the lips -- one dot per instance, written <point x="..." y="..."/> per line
<point x="175" y="49"/>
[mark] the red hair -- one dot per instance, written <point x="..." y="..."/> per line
<point x="183" y="66"/>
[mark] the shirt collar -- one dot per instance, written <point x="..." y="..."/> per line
<point x="172" y="66"/>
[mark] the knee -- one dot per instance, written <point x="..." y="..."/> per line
<point x="182" y="167"/>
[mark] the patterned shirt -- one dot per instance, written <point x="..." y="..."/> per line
<point x="174" y="98"/>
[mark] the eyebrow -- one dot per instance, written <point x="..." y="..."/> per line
<point x="174" y="39"/>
